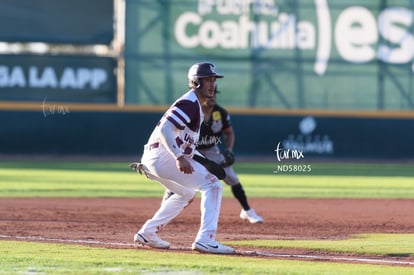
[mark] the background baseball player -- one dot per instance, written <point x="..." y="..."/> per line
<point x="217" y="124"/>
<point x="168" y="159"/>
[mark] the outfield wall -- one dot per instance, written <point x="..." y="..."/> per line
<point x="60" y="130"/>
<point x="284" y="54"/>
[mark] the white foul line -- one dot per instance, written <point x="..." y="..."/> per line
<point x="330" y="258"/>
<point x="28" y="238"/>
<point x="240" y="252"/>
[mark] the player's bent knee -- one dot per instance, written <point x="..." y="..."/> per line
<point x="218" y="186"/>
<point x="189" y="195"/>
<point x="190" y="201"/>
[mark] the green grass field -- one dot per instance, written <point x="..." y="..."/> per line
<point x="115" y="179"/>
<point x="41" y="258"/>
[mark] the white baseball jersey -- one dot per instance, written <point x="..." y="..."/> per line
<point x="186" y="115"/>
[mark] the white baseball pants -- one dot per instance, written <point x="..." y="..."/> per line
<point x="162" y="168"/>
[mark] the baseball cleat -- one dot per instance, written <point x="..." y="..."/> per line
<point x="151" y="240"/>
<point x="212" y="247"/>
<point x="251" y="216"/>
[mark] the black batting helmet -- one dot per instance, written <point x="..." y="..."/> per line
<point x="201" y="70"/>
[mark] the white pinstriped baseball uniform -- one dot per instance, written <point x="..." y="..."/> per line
<point x="184" y="118"/>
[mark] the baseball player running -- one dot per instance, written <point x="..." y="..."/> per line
<point x="168" y="159"/>
<point x="216" y="124"/>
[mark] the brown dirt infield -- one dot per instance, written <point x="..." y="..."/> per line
<point x="115" y="220"/>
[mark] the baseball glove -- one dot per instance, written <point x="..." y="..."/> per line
<point x="229" y="159"/>
<point x="211" y="166"/>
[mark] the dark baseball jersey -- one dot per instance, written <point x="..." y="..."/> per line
<point x="212" y="130"/>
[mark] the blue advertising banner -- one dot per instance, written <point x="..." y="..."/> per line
<point x="51" y="21"/>
<point x="57" y="78"/>
<point x="60" y="130"/>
